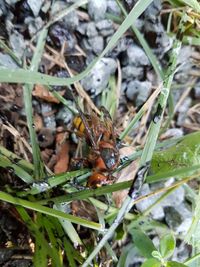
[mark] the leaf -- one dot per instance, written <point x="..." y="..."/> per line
<point x="151" y="263"/>
<point x="167" y="245"/>
<point x="175" y="264"/>
<point x="41" y="92"/>
<point x="62" y="154"/>
<point x="143" y="243"/>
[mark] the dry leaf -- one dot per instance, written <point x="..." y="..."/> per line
<point x="38" y="122"/>
<point x="125" y="174"/>
<point x="62" y="154"/>
<point x="41" y="92"/>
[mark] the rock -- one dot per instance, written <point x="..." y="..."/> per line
<point x="105" y="27"/>
<point x="58" y="34"/>
<point x="153" y="10"/>
<point x="173" y="133"/>
<point x="97" y="9"/>
<point x="138" y="91"/>
<point x="136" y="56"/>
<point x="49" y="118"/>
<point x="175" y="198"/>
<point x="17" y="43"/>
<point x="7" y="61"/>
<point x="97" y="44"/>
<point x="71" y="20"/>
<point x="91" y="30"/>
<point x="113" y="8"/>
<point x="172" y="217"/>
<point x="64" y="115"/>
<point x="131" y="72"/>
<point x="157" y="212"/>
<point x="35" y="6"/>
<point x="3" y="9"/>
<point x="182" y="111"/>
<point x="98" y="78"/>
<point x="33" y="24"/>
<point x="178" y="218"/>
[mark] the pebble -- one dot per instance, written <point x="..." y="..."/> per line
<point x="157" y="213"/>
<point x="178" y="218"/>
<point x="182" y="111"/>
<point x="175" y="198"/>
<point x="71" y="20"/>
<point x="64" y="115"/>
<point x="58" y="34"/>
<point x="7" y="61"/>
<point x="3" y="9"/>
<point x="91" y="30"/>
<point x="35" y="6"/>
<point x="113" y="8"/>
<point x="138" y="91"/>
<point x="136" y="56"/>
<point x="49" y="120"/>
<point x="105" y="27"/>
<point x="98" y="78"/>
<point x="17" y="43"/>
<point x="131" y="72"/>
<point x="97" y="44"/>
<point x="97" y="9"/>
<point x="153" y="10"/>
<point x="33" y="24"/>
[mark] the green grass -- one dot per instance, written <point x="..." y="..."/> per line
<point x="54" y="229"/>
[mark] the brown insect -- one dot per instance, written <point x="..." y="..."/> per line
<point x="101" y="138"/>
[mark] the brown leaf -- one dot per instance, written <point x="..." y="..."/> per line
<point x="125" y="174"/>
<point x="41" y="92"/>
<point x="38" y="122"/>
<point x="62" y="154"/>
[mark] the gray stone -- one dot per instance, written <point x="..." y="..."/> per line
<point x="175" y="198"/>
<point x="35" y="6"/>
<point x="113" y="8"/>
<point x="17" y="43"/>
<point x="82" y="28"/>
<point x="105" y="27"/>
<point x="157" y="212"/>
<point x="7" y="61"/>
<point x="174" y="133"/>
<point x="153" y="10"/>
<point x="91" y="30"/>
<point x="71" y="20"/>
<point x="136" y="56"/>
<point x="64" y="114"/>
<point x="138" y="91"/>
<point x="3" y="9"/>
<point x="49" y="120"/>
<point x="33" y="24"/>
<point x="97" y="44"/>
<point x="131" y="72"/>
<point x="98" y="78"/>
<point x="178" y="218"/>
<point x="97" y="9"/>
<point x="182" y="111"/>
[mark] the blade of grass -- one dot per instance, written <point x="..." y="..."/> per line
<point x="45" y="210"/>
<point x="39" y="169"/>
<point x="68" y="226"/>
<point x="84" y="194"/>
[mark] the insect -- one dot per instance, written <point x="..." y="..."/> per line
<point x="100" y="136"/>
